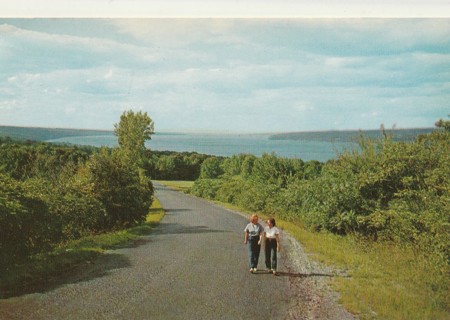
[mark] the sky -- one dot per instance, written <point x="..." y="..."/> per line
<point x="236" y="75"/>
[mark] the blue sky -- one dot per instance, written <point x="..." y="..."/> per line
<point x="226" y="75"/>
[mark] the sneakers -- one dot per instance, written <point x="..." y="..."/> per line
<point x="273" y="271"/>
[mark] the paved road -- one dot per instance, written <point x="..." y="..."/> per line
<point x="193" y="266"/>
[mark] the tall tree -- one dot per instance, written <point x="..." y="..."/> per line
<point x="132" y="132"/>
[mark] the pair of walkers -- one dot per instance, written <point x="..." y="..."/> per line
<point x="254" y="236"/>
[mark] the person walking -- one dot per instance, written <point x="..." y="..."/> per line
<point x="271" y="245"/>
<point x="253" y="234"/>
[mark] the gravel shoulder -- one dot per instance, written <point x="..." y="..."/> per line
<point x="193" y="266"/>
<point x="310" y="294"/>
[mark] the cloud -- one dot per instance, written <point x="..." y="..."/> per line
<point x="176" y="33"/>
<point x="238" y="74"/>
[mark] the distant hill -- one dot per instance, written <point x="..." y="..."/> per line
<point x="351" y="135"/>
<point x="43" y="134"/>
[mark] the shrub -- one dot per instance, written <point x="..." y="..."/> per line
<point x="24" y="222"/>
<point x="125" y="192"/>
<point x="206" y="188"/>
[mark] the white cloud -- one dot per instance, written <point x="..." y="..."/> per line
<point x="109" y="74"/>
<point x="8" y="104"/>
<point x="176" y="33"/>
<point x="242" y="74"/>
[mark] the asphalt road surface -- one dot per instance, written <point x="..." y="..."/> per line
<point x="192" y="266"/>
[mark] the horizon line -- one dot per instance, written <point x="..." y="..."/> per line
<point x="190" y="131"/>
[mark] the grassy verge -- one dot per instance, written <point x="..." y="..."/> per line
<point x="386" y="282"/>
<point x="183" y="186"/>
<point x="43" y="271"/>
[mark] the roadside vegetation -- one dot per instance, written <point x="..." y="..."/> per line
<point x="381" y="213"/>
<point x="53" y="195"/>
<point x="47" y="269"/>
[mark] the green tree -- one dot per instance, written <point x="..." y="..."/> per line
<point x="211" y="168"/>
<point x="132" y="131"/>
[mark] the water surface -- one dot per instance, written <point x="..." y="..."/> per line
<point x="226" y="145"/>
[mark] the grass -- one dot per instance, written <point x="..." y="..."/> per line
<point x="44" y="270"/>
<point x="385" y="281"/>
<point x="183" y="186"/>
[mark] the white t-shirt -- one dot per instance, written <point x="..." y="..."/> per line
<point x="254" y="230"/>
<point x="271" y="232"/>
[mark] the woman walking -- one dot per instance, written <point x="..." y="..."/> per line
<point x="253" y="234"/>
<point x="271" y="245"/>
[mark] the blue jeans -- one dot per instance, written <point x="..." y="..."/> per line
<point x="270" y="251"/>
<point x="253" y="249"/>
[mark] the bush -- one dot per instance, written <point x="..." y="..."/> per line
<point x="206" y="188"/>
<point x="75" y="211"/>
<point x="230" y="190"/>
<point x="125" y="192"/>
<point x="24" y="222"/>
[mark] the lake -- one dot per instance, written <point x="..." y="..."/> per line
<point x="226" y="145"/>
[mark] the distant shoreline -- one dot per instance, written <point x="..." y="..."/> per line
<point x="351" y="135"/>
<point x="44" y="134"/>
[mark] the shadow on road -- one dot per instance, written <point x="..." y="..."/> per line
<point x="77" y="265"/>
<point x="98" y="266"/>
<point x="176" y="228"/>
<point x="294" y="274"/>
<point x="304" y="275"/>
<point x="176" y="210"/>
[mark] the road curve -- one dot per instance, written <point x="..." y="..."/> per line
<point x="193" y="266"/>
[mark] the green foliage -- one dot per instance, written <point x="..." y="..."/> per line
<point x="26" y="160"/>
<point x="43" y="270"/>
<point x="312" y="169"/>
<point x="269" y="169"/>
<point x="211" y="168"/>
<point x="132" y="131"/>
<point x="387" y="191"/>
<point x="445" y="124"/>
<point x="206" y="188"/>
<point x="125" y="192"/>
<point x="164" y="165"/>
<point x="232" y="166"/>
<point x="331" y="200"/>
<point x="24" y="222"/>
<point x="50" y="194"/>
<point x="247" y="165"/>
<point x="391" y="195"/>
